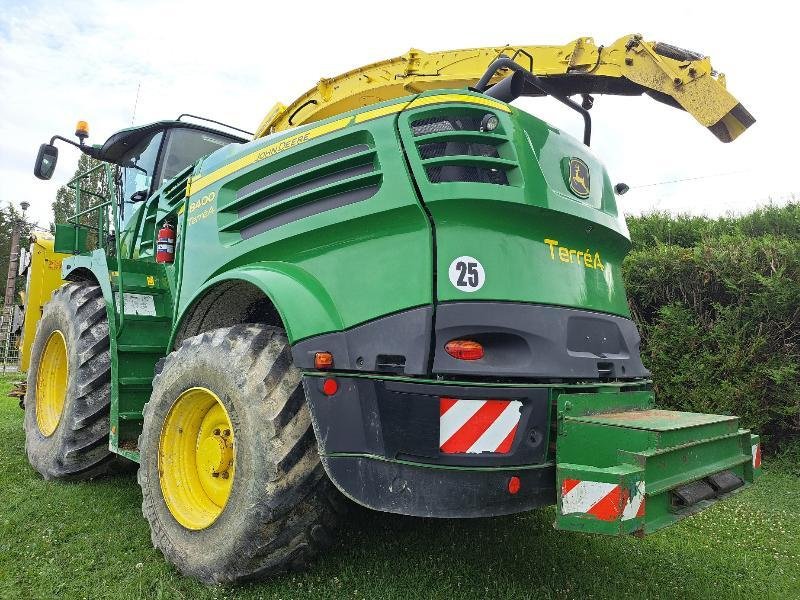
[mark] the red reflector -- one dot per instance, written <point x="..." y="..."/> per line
<point x="513" y="485"/>
<point x="330" y="387"/>
<point x="323" y="360"/>
<point x="464" y="349"/>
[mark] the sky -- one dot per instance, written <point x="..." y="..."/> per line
<point x="115" y="63"/>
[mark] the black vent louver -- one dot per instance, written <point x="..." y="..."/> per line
<point x="301" y="189"/>
<point x="454" y="149"/>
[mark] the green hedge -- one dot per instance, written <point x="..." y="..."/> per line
<point x="718" y="306"/>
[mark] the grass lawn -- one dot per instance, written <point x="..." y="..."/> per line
<point x="89" y="540"/>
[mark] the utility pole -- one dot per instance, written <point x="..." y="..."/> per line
<point x="7" y="318"/>
<point x="13" y="259"/>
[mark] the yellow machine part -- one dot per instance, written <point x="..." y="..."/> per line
<point x="196" y="458"/>
<point x="51" y="383"/>
<point x="44" y="276"/>
<point x="629" y="66"/>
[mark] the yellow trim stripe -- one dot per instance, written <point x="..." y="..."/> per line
<point x="202" y="182"/>
<point x="426" y="100"/>
<point x="380" y="112"/>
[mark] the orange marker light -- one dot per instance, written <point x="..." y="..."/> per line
<point x="323" y="360"/>
<point x="82" y="129"/>
<point x="464" y="349"/>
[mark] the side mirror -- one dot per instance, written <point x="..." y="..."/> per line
<point x="621" y="188"/>
<point x="46" y="161"/>
<point x="139" y="196"/>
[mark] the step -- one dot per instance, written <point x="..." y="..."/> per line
<point x="138" y="383"/>
<point x="131" y="318"/>
<point x="142" y="349"/>
<point x="624" y="466"/>
<point x="130" y="416"/>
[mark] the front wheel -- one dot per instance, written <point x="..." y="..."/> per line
<point x="232" y="483"/>
<point x="69" y="383"/>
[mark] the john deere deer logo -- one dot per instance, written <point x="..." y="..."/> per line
<point x="578" y="178"/>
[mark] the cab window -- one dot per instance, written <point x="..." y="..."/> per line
<point x="138" y="167"/>
<point x="184" y="146"/>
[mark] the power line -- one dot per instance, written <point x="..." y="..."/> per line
<point x="671" y="181"/>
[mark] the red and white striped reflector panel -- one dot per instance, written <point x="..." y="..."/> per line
<point x="756" y="456"/>
<point x="605" y="501"/>
<point x="474" y="426"/>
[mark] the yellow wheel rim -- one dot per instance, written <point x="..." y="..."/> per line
<point x="196" y="458"/>
<point x="51" y="383"/>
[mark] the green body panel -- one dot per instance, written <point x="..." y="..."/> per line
<point x="293" y="290"/>
<point x="70" y="237"/>
<point x="342" y="267"/>
<point x="355" y="262"/>
<point x="618" y="438"/>
<point x="505" y="226"/>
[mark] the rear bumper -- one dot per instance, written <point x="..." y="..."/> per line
<point x="421" y="491"/>
<point x="521" y="340"/>
<point x="609" y="460"/>
<point x="380" y="445"/>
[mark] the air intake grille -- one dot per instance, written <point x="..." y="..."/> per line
<point x="330" y="180"/>
<point x="437" y="149"/>
<point x="176" y="190"/>
<point x="445" y="174"/>
<point x="441" y="124"/>
<point x="453" y="148"/>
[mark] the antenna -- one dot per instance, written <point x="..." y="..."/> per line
<point x="136" y="102"/>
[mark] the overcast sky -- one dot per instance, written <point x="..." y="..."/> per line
<point x="64" y="61"/>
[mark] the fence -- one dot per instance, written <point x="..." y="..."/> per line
<point x="10" y="327"/>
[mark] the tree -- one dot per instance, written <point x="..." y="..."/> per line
<point x="64" y="203"/>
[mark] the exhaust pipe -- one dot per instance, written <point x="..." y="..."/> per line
<point x="508" y="89"/>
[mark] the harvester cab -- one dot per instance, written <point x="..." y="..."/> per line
<point x="403" y="287"/>
<point x="145" y="157"/>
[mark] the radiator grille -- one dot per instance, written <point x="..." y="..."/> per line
<point x="437" y="149"/>
<point x="453" y="173"/>
<point x="453" y="148"/>
<point x="440" y="124"/>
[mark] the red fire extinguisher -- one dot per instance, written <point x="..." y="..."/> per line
<point x="165" y="246"/>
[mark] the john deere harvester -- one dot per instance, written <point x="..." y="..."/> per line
<point x="402" y="290"/>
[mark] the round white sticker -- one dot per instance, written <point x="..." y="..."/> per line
<point x="467" y="274"/>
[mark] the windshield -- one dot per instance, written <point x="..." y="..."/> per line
<point x="185" y="146"/>
<point x="140" y="174"/>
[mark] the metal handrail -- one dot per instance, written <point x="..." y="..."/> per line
<point x="102" y="218"/>
<point x="91" y="210"/>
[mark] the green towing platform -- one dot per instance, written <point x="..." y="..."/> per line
<point x="625" y="467"/>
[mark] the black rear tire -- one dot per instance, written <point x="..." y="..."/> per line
<point x="78" y="447"/>
<point x="282" y="508"/>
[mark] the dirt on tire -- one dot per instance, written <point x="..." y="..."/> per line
<point x="78" y="448"/>
<point x="282" y="507"/>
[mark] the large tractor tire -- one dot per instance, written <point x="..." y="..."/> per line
<point x="68" y="391"/>
<point x="232" y="483"/>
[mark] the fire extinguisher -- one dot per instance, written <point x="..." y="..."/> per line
<point x="165" y="246"/>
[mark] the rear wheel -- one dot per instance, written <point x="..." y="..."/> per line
<point x="232" y="483"/>
<point x="68" y="389"/>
